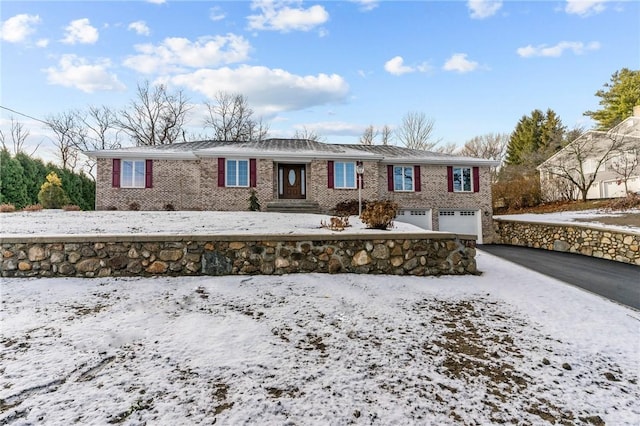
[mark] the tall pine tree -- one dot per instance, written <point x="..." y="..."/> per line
<point x="535" y="138"/>
<point x="617" y="99"/>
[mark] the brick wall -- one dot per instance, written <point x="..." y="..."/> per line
<point x="174" y="182"/>
<point x="193" y="184"/>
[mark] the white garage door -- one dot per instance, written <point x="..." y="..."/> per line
<point x="460" y="222"/>
<point x="417" y="217"/>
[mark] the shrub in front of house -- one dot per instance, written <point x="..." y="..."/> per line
<point x="254" y="203"/>
<point x="51" y="195"/>
<point x="379" y="214"/>
<point x="7" y="208"/>
<point x="348" y="208"/>
<point x="71" y="208"/>
<point x="33" y="208"/>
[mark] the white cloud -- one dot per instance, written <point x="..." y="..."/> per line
<point x="80" y="31"/>
<point x="140" y="27"/>
<point x="331" y="128"/>
<point x="43" y="42"/>
<point x="577" y="47"/>
<point x="157" y="1"/>
<point x="216" y="14"/>
<point x="481" y="9"/>
<point x="18" y="28"/>
<point x="396" y="66"/>
<point x="73" y="71"/>
<point x="585" y="7"/>
<point x="278" y="16"/>
<point x="176" y="53"/>
<point x="458" y="62"/>
<point x="270" y="91"/>
<point x="367" y="5"/>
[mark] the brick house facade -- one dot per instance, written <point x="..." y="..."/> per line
<point x="212" y="175"/>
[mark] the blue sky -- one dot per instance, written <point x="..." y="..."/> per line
<point x="334" y="67"/>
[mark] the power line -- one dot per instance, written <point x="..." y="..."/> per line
<point x="24" y="115"/>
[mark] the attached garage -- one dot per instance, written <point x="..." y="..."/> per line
<point x="418" y="217"/>
<point x="461" y="222"/>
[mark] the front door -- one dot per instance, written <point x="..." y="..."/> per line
<point x="292" y="181"/>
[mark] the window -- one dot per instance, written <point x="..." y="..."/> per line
<point x="462" y="179"/>
<point x="344" y="175"/>
<point x="403" y="178"/>
<point x="237" y="173"/>
<point x="132" y="174"/>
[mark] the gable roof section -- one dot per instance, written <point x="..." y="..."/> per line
<point x="626" y="133"/>
<point x="290" y="149"/>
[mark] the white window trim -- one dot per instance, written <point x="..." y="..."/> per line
<point x="462" y="190"/>
<point x="124" y="183"/>
<point x="226" y="171"/>
<point x="413" y="179"/>
<point x="335" y="174"/>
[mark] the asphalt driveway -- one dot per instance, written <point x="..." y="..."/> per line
<point x="617" y="281"/>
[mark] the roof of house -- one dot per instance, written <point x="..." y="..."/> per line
<point x="288" y="149"/>
<point x="626" y="135"/>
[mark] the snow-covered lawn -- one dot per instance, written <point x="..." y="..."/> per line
<point x="508" y="346"/>
<point x="58" y="222"/>
<point x="595" y="218"/>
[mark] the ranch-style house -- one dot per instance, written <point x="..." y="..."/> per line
<point x="434" y="191"/>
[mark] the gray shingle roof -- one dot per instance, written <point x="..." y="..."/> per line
<point x="299" y="148"/>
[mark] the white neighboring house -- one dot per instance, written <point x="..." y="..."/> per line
<point x="605" y="164"/>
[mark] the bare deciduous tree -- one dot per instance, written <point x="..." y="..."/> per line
<point x="386" y="135"/>
<point x="580" y="161"/>
<point x="155" y="117"/>
<point x="101" y="132"/>
<point x="416" y="130"/>
<point x="368" y="136"/>
<point x="491" y="146"/>
<point x="69" y="134"/>
<point x="308" y="134"/>
<point x="18" y="135"/>
<point x="624" y="163"/>
<point x="231" y="119"/>
<point x="449" y="148"/>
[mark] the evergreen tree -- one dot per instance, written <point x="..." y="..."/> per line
<point x="35" y="173"/>
<point x="617" y="99"/>
<point x="535" y="138"/>
<point x="13" y="189"/>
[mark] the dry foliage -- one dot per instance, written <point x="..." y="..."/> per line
<point x="379" y="214"/>
<point x="336" y="223"/>
<point x="71" y="208"/>
<point x="134" y="206"/>
<point x="33" y="208"/>
<point x="7" y="208"/>
<point x="348" y="208"/>
<point x="516" y="191"/>
<point x="631" y="201"/>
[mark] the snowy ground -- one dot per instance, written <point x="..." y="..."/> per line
<point x="58" y="222"/>
<point x="585" y="217"/>
<point x="508" y="346"/>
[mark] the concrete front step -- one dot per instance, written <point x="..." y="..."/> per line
<point x="293" y="206"/>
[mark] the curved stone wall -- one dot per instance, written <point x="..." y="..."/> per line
<point x="621" y="246"/>
<point x="99" y="256"/>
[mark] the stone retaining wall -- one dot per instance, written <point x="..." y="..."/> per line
<point x="621" y="246"/>
<point x="101" y="256"/>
